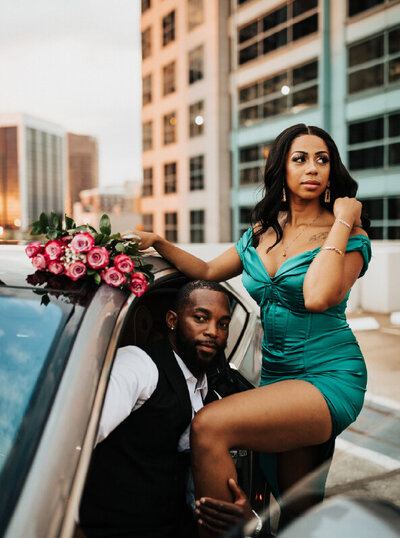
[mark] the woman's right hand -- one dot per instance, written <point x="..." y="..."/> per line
<point x="145" y="239"/>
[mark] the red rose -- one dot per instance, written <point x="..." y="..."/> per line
<point x="97" y="258"/>
<point x="82" y="242"/>
<point x="34" y="248"/>
<point x="123" y="263"/>
<point x="39" y="262"/>
<point x="55" y="267"/>
<point x="75" y="270"/>
<point x="138" y="284"/>
<point x="113" y="277"/>
<point x="54" y="249"/>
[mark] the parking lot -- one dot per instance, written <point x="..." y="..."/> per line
<point x="367" y="456"/>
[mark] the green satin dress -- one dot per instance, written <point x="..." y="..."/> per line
<point x="318" y="347"/>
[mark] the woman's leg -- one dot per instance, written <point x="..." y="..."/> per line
<point x="275" y="418"/>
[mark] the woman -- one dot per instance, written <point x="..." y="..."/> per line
<point x="299" y="261"/>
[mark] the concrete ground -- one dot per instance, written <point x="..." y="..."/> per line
<point x="367" y="457"/>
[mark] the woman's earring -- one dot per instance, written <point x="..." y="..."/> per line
<point x="283" y="195"/>
<point x="327" y="197"/>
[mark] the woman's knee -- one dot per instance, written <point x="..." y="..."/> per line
<point x="205" y="430"/>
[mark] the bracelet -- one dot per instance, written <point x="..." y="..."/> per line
<point x="344" y="222"/>
<point x="334" y="249"/>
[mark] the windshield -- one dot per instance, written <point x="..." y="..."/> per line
<point x="27" y="331"/>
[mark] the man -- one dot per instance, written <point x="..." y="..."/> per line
<point x="136" y="486"/>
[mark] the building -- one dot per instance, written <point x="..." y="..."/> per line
<point x="331" y="64"/>
<point x="32" y="168"/>
<point x="186" y="119"/>
<point x="335" y="64"/>
<point x="120" y="202"/>
<point x="83" y="167"/>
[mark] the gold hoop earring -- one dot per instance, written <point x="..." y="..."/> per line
<point x="327" y="197"/>
<point x="283" y="195"/>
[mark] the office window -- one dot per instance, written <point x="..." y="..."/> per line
<point x="384" y="214"/>
<point x="171" y="226"/>
<point x="170" y="179"/>
<point x="289" y="91"/>
<point x="147" y="96"/>
<point x="197" y="226"/>
<point x="170" y="128"/>
<point x="196" y="172"/>
<point x="147" y="135"/>
<point x="147" y="222"/>
<point x="196" y="64"/>
<point x="195" y="13"/>
<point x="196" y="119"/>
<point x="146" y="4"/>
<point x="169" y="78"/>
<point x="168" y="28"/>
<point x="146" y="43"/>
<point x="251" y="163"/>
<point x="374" y="62"/>
<point x="374" y="142"/>
<point x="147" y="187"/>
<point x="273" y="30"/>
<point x="244" y="219"/>
<point x="358" y="6"/>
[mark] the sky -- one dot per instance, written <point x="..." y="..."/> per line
<point x="77" y="63"/>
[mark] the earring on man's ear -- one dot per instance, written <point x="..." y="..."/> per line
<point x="283" y="195"/>
<point x="327" y="197"/>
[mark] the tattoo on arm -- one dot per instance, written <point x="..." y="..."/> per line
<point x="319" y="237"/>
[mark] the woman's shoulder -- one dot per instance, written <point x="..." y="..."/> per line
<point x="357" y="230"/>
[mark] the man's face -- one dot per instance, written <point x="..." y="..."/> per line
<point x="202" y="328"/>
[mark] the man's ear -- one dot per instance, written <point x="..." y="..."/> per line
<point x="171" y="319"/>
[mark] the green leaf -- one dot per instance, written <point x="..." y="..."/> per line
<point x="36" y="228"/>
<point x="56" y="220"/>
<point x="53" y="234"/>
<point x="43" y="219"/>
<point x="69" y="223"/>
<point x="97" y="278"/>
<point x="98" y="239"/>
<point x="90" y="271"/>
<point x="119" y="247"/>
<point x="105" y="225"/>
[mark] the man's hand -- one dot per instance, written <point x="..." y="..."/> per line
<point x="219" y="516"/>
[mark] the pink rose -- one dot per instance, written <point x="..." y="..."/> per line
<point x="66" y="238"/>
<point x="39" y="262"/>
<point x="82" y="242"/>
<point x="34" y="248"/>
<point x="138" y="284"/>
<point x="97" y="258"/>
<point x="123" y="263"/>
<point x="75" y="270"/>
<point x="55" y="267"/>
<point x="54" y="249"/>
<point x="113" y="277"/>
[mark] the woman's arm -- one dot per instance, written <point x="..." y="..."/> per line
<point x="331" y="275"/>
<point x="225" y="266"/>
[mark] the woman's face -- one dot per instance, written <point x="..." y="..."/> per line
<point x="307" y="167"/>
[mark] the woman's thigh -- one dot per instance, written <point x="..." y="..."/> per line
<point x="283" y="416"/>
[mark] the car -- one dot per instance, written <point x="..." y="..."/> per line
<point x="58" y="339"/>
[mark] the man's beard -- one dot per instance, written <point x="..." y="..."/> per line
<point x="188" y="353"/>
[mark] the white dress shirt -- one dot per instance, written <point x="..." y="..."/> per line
<point x="134" y="378"/>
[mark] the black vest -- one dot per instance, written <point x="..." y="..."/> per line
<point x="136" y="483"/>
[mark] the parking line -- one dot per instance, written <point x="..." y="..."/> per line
<point x="366" y="454"/>
<point x="382" y="400"/>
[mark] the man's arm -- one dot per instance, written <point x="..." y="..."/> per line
<point x="134" y="377"/>
<point x="220" y="516"/>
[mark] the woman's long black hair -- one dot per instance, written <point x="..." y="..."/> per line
<point x="265" y="213"/>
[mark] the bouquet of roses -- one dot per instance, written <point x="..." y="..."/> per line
<point x="77" y="251"/>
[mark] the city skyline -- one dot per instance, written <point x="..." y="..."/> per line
<point x="78" y="65"/>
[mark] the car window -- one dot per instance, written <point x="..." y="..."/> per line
<point x="26" y="334"/>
